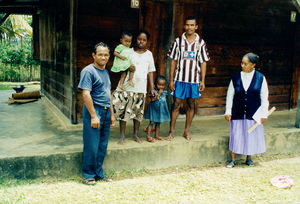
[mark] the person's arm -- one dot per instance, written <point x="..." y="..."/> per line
<point x="264" y="94"/>
<point x="88" y="101"/>
<point x="174" y="55"/>
<point x="150" y="78"/>
<point x="229" y="101"/>
<point x="205" y="57"/>
<point x="160" y="92"/>
<point x="113" y="118"/>
<point x="156" y="96"/>
<point x="153" y="98"/>
<point x="119" y="56"/>
<point x="151" y="69"/>
<point x="172" y="72"/>
<point x="203" y="73"/>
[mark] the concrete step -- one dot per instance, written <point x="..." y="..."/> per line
<point x="204" y="150"/>
<point x="36" y="142"/>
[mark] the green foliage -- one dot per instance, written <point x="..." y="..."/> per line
<point x="17" y="63"/>
<point x="12" y="54"/>
<point x="16" y="59"/>
<point x="16" y="27"/>
<point x="6" y="87"/>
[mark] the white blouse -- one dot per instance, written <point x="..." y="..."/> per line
<point x="246" y="80"/>
<point x="144" y="63"/>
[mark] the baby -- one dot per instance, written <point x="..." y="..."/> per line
<point x="122" y="60"/>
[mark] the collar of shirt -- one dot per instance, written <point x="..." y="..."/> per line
<point x="248" y="74"/>
<point x="196" y="39"/>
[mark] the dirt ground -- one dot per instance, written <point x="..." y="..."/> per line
<point x="217" y="184"/>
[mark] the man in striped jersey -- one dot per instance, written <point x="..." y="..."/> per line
<point x="189" y="56"/>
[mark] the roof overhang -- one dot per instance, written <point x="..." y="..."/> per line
<point x="19" y="6"/>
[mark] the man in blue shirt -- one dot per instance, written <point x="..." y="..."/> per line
<point x="98" y="114"/>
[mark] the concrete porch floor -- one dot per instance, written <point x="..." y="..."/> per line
<point x="30" y="132"/>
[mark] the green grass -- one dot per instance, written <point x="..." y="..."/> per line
<point x="215" y="184"/>
<point x="6" y="86"/>
<point x="10" y="85"/>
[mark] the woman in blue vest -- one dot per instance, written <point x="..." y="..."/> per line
<point x="247" y="94"/>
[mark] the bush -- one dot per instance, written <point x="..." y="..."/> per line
<point x="17" y="63"/>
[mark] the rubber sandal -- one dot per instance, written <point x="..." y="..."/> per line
<point x="150" y="139"/>
<point x="89" y="181"/>
<point x="231" y="164"/>
<point x="158" y="138"/>
<point x="146" y="130"/>
<point x="249" y="162"/>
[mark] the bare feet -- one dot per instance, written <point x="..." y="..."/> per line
<point x="187" y="136"/>
<point x="122" y="87"/>
<point x="170" y="136"/>
<point x="121" y="141"/>
<point x="131" y="83"/>
<point x="137" y="139"/>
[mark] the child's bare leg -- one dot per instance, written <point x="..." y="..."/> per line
<point x="130" y="78"/>
<point x="149" y="138"/>
<point x="149" y="130"/>
<point x="122" y="79"/>
<point x="136" y="126"/>
<point x="146" y="128"/>
<point x="157" y="127"/>
<point x="122" y="132"/>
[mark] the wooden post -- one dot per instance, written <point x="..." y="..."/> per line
<point x="171" y="40"/>
<point x="298" y="109"/>
<point x="296" y="72"/>
<point x="36" y="36"/>
<point x="73" y="58"/>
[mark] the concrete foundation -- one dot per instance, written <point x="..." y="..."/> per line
<point x="34" y="144"/>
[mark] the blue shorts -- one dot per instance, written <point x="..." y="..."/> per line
<point x="186" y="90"/>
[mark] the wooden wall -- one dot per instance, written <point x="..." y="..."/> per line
<point x="55" y="53"/>
<point x="262" y="27"/>
<point x="101" y="20"/>
<point x="232" y="28"/>
<point x="68" y="30"/>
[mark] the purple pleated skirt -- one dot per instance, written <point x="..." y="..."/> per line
<point x="240" y="142"/>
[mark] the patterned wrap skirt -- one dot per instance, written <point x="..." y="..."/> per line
<point x="128" y="105"/>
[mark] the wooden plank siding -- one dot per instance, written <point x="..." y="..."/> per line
<point x="68" y="30"/>
<point x="54" y="41"/>
<point x="104" y="21"/>
<point x="262" y="27"/>
<point x="231" y="28"/>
